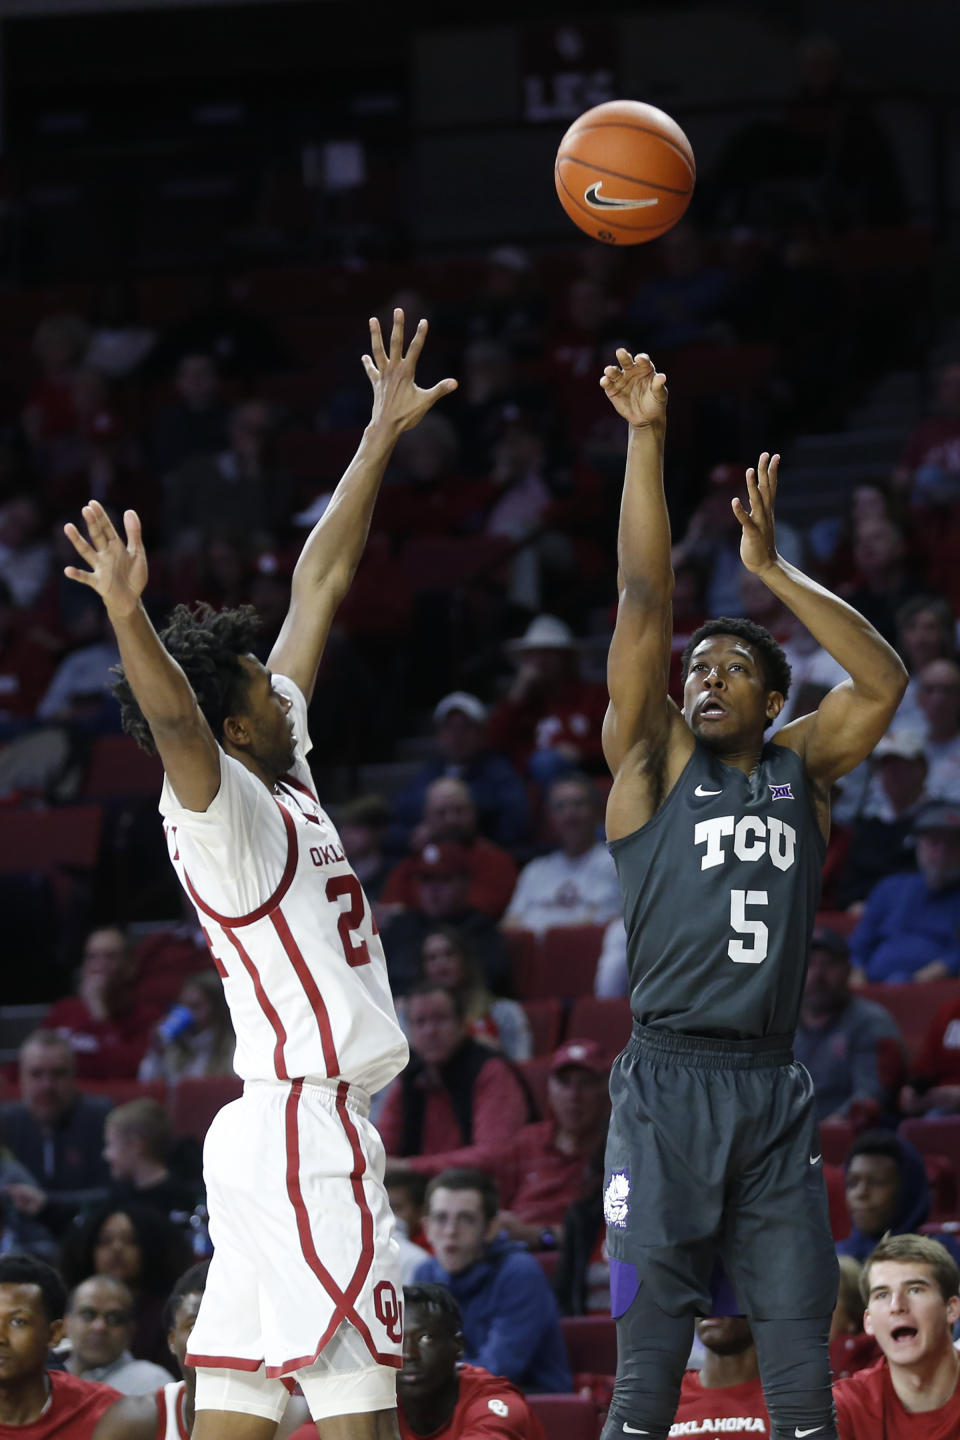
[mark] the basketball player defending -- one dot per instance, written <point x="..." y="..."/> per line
<point x="719" y="838"/>
<point x="304" y="1285"/>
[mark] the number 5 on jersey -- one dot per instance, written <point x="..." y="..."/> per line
<point x="740" y="951"/>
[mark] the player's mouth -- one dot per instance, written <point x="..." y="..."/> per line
<point x="711" y="709"/>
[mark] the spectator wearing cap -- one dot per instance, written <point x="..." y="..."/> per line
<point x="546" y="1166"/>
<point x="910" y="927"/>
<point x="457" y="1100"/>
<point x="362" y="825"/>
<point x="838" y="1034"/>
<point x="450" y="818"/>
<point x="575" y="884"/>
<point x="550" y="720"/>
<point x="882" y="841"/>
<point x="461" y="753"/>
<point x="442" y="894"/>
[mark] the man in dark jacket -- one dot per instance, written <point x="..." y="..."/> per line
<point x="511" y="1324"/>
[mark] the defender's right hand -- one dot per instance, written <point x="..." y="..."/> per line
<point x="118" y="569"/>
<point x="636" y="389"/>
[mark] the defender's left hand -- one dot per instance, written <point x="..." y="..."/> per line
<point x="758" y="546"/>
<point x="397" y="398"/>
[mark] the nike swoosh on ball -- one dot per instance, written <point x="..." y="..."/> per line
<point x="593" y="197"/>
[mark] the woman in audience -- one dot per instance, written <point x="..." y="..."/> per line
<point x="926" y="630"/>
<point x="446" y="959"/>
<point x="143" y="1249"/>
<point x="196" y="1038"/>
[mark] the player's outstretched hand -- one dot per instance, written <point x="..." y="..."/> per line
<point x="118" y="568"/>
<point x="397" y="398"/>
<point x="636" y="389"/>
<point x="758" y="546"/>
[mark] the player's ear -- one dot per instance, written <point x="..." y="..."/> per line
<point x="775" y="703"/>
<point x="235" y="731"/>
<point x="56" y="1334"/>
<point x="170" y="1343"/>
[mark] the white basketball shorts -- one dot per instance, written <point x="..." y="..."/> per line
<point x="302" y="1234"/>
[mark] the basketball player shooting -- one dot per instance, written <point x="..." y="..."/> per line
<point x="304" y="1285"/>
<point x="719" y="837"/>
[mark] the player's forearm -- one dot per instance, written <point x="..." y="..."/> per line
<point x="874" y="666"/>
<point x="160" y="687"/>
<point x="643" y="540"/>
<point x="334" y="546"/>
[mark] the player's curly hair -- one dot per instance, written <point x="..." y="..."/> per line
<point x="776" y="666"/>
<point x="207" y="645"/>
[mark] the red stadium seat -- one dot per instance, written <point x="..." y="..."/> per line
<point x="547" y="1260"/>
<point x="535" y="1073"/>
<point x="608" y="1021"/>
<point x="120" y="1091"/>
<point x="566" y="1417"/>
<point x="570" y="954"/>
<point x="591" y="1342"/>
<point x="836" y="1137"/>
<point x="449" y="562"/>
<point x="838" y="920"/>
<point x="912" y="1005"/>
<point x="195" y="1099"/>
<point x="545" y="1018"/>
<point x="117" y="766"/>
<point x="935" y="1135"/>
<point x="522" y="950"/>
<point x="67" y="836"/>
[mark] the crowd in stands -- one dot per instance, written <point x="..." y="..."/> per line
<point x="473" y="630"/>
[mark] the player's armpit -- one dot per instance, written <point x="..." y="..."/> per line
<point x="840" y="733"/>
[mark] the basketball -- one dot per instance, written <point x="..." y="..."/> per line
<point x="625" y="172"/>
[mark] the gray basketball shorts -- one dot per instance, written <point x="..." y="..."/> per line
<point x="713" y="1151"/>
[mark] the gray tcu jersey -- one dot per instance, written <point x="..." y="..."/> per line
<point x="720" y="889"/>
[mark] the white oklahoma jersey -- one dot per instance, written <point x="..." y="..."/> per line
<point x="299" y="1219"/>
<point x="171" y="1424"/>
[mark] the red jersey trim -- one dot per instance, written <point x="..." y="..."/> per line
<point x="263" y="1000"/>
<point x="310" y="989"/>
<point x="161" y="1400"/>
<point x="296" y="784"/>
<point x="181" y="1416"/>
<point x="230" y="922"/>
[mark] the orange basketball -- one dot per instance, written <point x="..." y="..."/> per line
<point x="625" y="172"/>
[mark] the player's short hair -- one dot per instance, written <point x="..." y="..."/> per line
<point x="191" y="1282"/>
<point x="29" y="1270"/>
<point x="915" y="1250"/>
<point x="207" y="645"/>
<point x="430" y="987"/>
<point x="458" y="1177"/>
<point x="437" y="1299"/>
<point x="148" y="1120"/>
<point x="776" y="666"/>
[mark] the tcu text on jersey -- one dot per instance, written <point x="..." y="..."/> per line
<point x="749" y="838"/>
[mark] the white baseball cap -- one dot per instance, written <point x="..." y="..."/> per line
<point x="467" y="704"/>
<point x="546" y="632"/>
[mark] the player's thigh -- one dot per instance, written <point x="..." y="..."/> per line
<point x="232" y="1425"/>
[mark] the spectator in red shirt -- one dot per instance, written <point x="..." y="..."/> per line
<point x="911" y="1286"/>
<point x="439" y="1396"/>
<point x="544" y="1169"/>
<point x="37" y="1403"/>
<point x="107" y="1029"/>
<point x="450" y="818"/>
<point x="550" y="720"/>
<point x="728" y="1386"/>
<point x="456" y="1100"/>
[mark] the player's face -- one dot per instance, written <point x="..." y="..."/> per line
<point x="47" y="1081"/>
<point x="25" y="1332"/>
<point x="725" y="696"/>
<point x="456" y="1227"/>
<point x="183" y="1322"/>
<point x="270" y="722"/>
<point x="117" y="1250"/>
<point x="873" y="1192"/>
<point x="725" y="1334"/>
<point x="98" y="1323"/>
<point x="906" y="1314"/>
<point x="430" y="1353"/>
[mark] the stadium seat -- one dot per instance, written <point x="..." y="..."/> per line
<point x="67" y="836"/>
<point x="120" y="1091"/>
<point x="570" y="954"/>
<point x="547" y="1260"/>
<point x="608" y="1021"/>
<point x="545" y="1018"/>
<point x="522" y="950"/>
<point x="195" y="1099"/>
<point x="912" y="1005"/>
<point x="449" y="562"/>
<point x="836" y="1137"/>
<point x="937" y="1138"/>
<point x="117" y="766"/>
<point x="591" y="1342"/>
<point x="566" y="1417"/>
<point x="838" y="920"/>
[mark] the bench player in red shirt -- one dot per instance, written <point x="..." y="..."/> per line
<point x="911" y="1286"/>
<point x="727" y="1388"/>
<point x="37" y="1403"/>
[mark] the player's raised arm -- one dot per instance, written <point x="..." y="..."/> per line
<point x="118" y="573"/>
<point x="638" y="719"/>
<point x="852" y="718"/>
<point x="333" y="548"/>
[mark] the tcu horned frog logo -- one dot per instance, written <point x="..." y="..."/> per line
<point x="616" y="1199"/>
<point x="389" y="1310"/>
